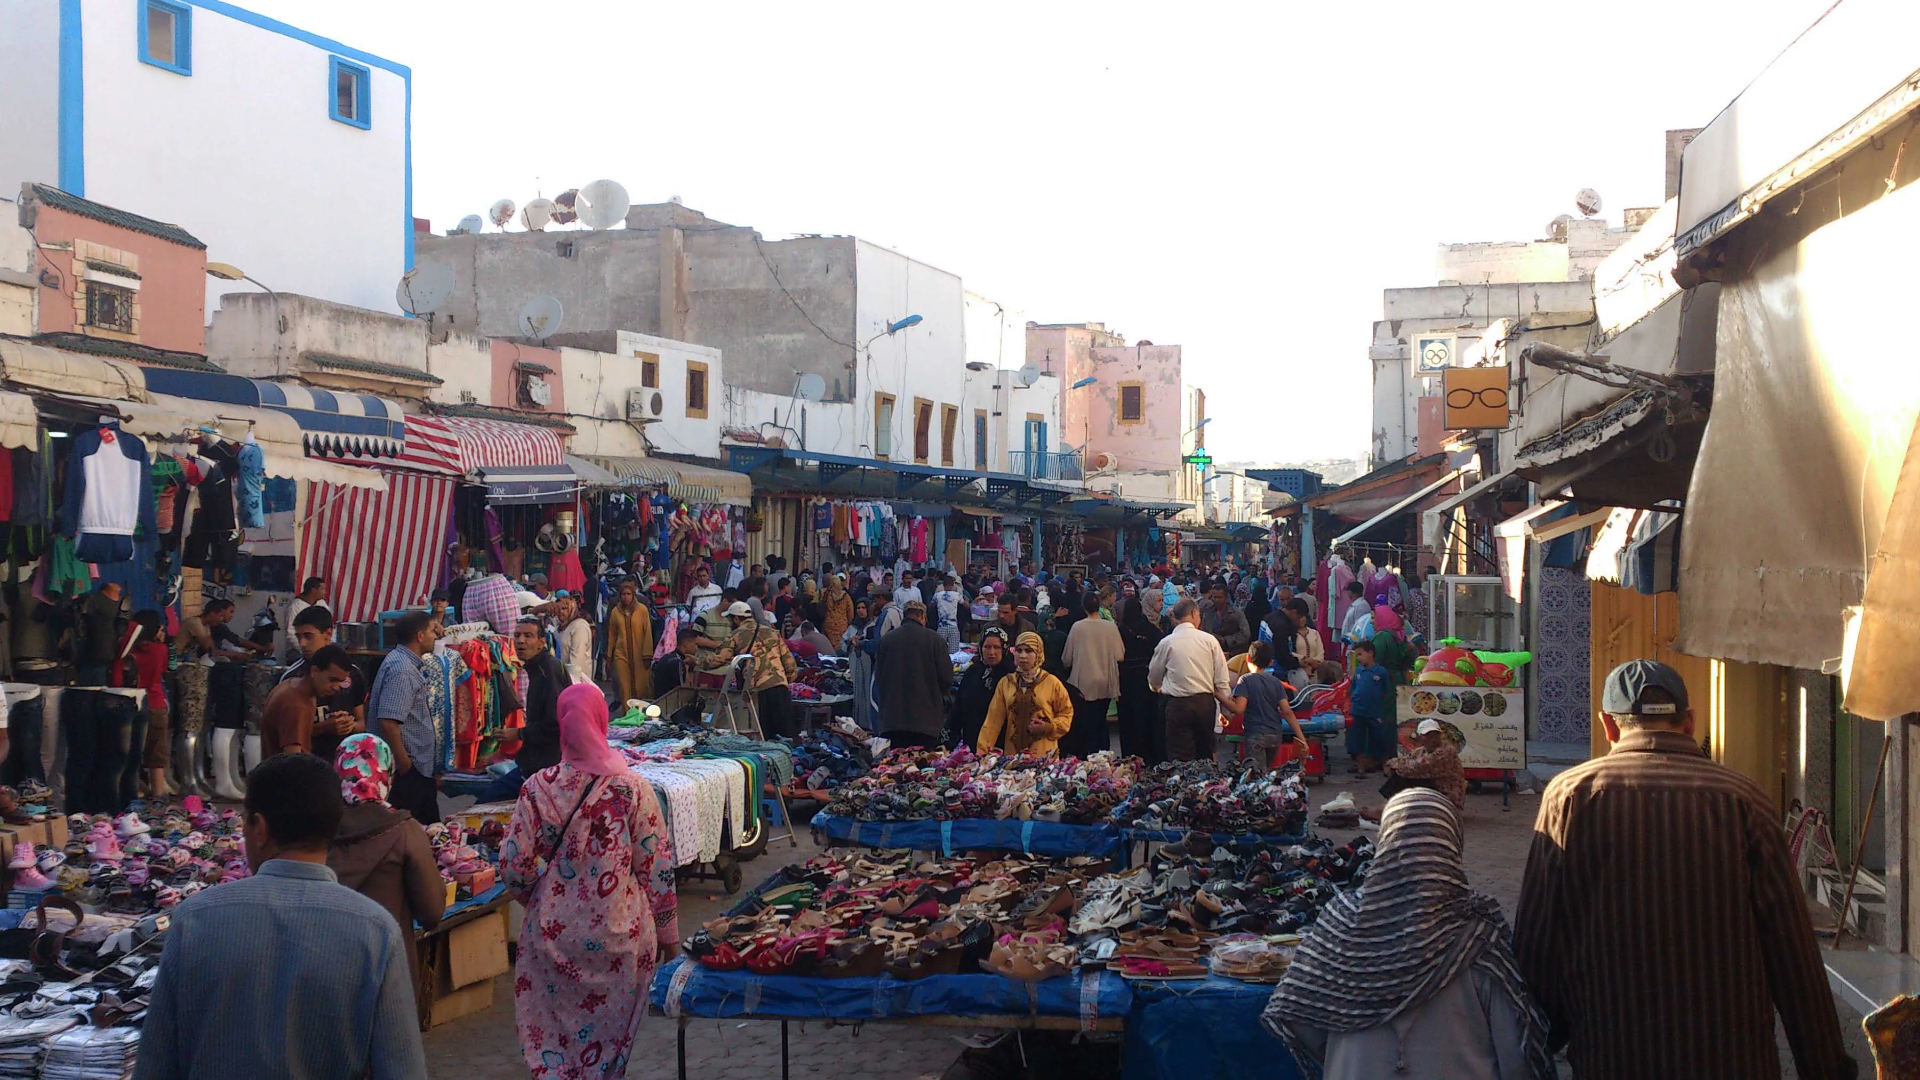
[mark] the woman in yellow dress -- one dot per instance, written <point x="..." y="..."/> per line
<point x="1030" y="709"/>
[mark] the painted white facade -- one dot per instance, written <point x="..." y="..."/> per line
<point x="242" y="151"/>
<point x="598" y="385"/>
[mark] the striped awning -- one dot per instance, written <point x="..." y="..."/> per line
<point x="377" y="550"/>
<point x="682" y="480"/>
<point x="465" y="446"/>
<point x="334" y="423"/>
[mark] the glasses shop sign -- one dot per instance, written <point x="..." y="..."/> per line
<point x="1476" y="398"/>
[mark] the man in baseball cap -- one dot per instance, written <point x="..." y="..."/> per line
<point x="1619" y="841"/>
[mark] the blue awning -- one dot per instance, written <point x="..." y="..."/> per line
<point x="333" y="423"/>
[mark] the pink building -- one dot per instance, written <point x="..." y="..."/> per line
<point x="116" y="281"/>
<point x="1130" y="420"/>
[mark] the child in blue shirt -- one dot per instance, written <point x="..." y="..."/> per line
<point x="1371" y="740"/>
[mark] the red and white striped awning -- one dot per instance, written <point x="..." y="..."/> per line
<point x="378" y="550"/>
<point x="463" y="446"/>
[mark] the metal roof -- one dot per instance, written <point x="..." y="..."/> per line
<point x="87" y="208"/>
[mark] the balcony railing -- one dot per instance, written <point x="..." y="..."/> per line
<point x="1045" y="464"/>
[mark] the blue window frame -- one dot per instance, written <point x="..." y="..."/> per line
<point x="166" y="35"/>
<point x="350" y="93"/>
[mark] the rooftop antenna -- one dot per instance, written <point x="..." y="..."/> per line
<point x="540" y="317"/>
<point x="605" y="204"/>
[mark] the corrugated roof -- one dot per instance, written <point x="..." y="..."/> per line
<point x="372" y="367"/>
<point x="128" y="350"/>
<point x="74" y="204"/>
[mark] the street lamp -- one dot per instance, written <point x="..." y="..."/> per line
<point x="230" y="272"/>
<point x="1088" y="381"/>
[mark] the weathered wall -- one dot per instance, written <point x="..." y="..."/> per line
<point x="599" y="383"/>
<point x="19" y="284"/>
<point x="246" y="340"/>
<point x="464" y="364"/>
<point x="170" y="305"/>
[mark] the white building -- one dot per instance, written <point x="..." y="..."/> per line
<point x="287" y="152"/>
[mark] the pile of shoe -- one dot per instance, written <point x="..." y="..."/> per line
<point x="915" y="785"/>
<point x="1161" y="920"/>
<point x="25" y="802"/>
<point x="468" y="859"/>
<point x="1213" y="797"/>
<point x="151" y="857"/>
<point x="883" y="913"/>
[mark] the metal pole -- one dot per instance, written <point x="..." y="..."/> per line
<point x="683" y="1050"/>
<point x="1860" y="845"/>
<point x="783" y="1051"/>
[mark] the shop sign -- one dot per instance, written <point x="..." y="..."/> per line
<point x="1476" y="398"/>
<point x="1434" y="353"/>
<point x="1488" y="726"/>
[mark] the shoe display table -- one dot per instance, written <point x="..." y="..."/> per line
<point x="1050" y="838"/>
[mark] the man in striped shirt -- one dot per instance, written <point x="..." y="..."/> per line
<point x="1660" y="926"/>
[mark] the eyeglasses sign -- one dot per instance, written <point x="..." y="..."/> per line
<point x="1476" y="398"/>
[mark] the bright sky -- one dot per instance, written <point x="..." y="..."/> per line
<point x="1240" y="179"/>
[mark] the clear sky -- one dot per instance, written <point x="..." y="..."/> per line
<point x="1241" y="179"/>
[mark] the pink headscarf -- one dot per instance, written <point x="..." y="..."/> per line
<point x="1385" y="618"/>
<point x="583" y="732"/>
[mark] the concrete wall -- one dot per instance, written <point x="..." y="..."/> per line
<point x="170" y="304"/>
<point x="30" y="91"/>
<point x="508" y="379"/>
<point x="265" y="336"/>
<point x="673" y="273"/>
<point x="1574" y="258"/>
<point x="464" y="364"/>
<point x="243" y="154"/>
<point x="19" y="281"/>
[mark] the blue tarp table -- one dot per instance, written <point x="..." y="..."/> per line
<point x="1167" y="836"/>
<point x="1083" y="1001"/>
<point x="1202" y="1030"/>
<point x="1049" y="838"/>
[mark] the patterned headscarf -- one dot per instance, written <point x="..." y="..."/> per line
<point x="365" y="766"/>
<point x="1383" y="950"/>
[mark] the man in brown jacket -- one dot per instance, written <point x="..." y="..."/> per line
<point x="1660" y="926"/>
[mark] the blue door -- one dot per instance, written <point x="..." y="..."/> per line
<point x="1036" y="449"/>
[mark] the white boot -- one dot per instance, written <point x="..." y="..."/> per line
<point x="252" y="753"/>
<point x="223" y="747"/>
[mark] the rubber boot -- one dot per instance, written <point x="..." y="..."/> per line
<point x="224" y="740"/>
<point x="189" y="771"/>
<point x="252" y="751"/>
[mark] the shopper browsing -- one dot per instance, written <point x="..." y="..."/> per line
<point x="313" y="631"/>
<point x="398" y="707"/>
<point x="1031" y="710"/>
<point x="576" y="640"/>
<point x="1189" y="668"/>
<point x="540" y="738"/>
<point x="220" y="1009"/>
<point x="1091" y="656"/>
<point x="1267" y="716"/>
<point x="1371" y="740"/>
<point x="630" y="644"/>
<point x="705" y="594"/>
<point x="295" y="713"/>
<point x="911" y="673"/>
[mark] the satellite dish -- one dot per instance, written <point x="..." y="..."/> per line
<point x="1557" y="228"/>
<point x="501" y="212"/>
<point x="811" y="387"/>
<point x="424" y="288"/>
<point x="536" y="214"/>
<point x="564" y="212"/>
<point x="1028" y="375"/>
<point x="1587" y="201"/>
<point x="470" y="224"/>
<point x="541" y="316"/>
<point x="605" y="204"/>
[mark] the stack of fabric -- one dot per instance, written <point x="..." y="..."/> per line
<point x="91" y="1053"/>
<point x="23" y="1042"/>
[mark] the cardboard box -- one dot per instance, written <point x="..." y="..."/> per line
<point x="459" y="1003"/>
<point x="54" y="829"/>
<point x="477" y="951"/>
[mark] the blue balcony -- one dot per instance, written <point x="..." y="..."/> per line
<point x="1046" y="465"/>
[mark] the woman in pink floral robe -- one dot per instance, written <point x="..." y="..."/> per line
<point x="588" y="855"/>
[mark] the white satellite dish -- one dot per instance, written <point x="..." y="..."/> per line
<point x="472" y="223"/>
<point x="1587" y="201"/>
<point x="501" y="212"/>
<point x="810" y="387"/>
<point x="564" y="207"/>
<point x="1557" y="228"/>
<point x="605" y="204"/>
<point x="424" y="288"/>
<point x="541" y="316"/>
<point x="536" y="214"/>
<point x="1028" y="375"/>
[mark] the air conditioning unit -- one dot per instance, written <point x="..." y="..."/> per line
<point x="644" y="404"/>
<point x="1102" y="462"/>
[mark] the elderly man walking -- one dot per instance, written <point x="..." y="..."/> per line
<point x="1660" y="925"/>
<point x="1189" y="668"/>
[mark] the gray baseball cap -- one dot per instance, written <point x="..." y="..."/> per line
<point x="1629" y="682"/>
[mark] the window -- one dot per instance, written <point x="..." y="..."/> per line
<point x="949" y="427"/>
<point x="110" y="307"/>
<point x="166" y="36"/>
<point x="922" y="429"/>
<point x="980" y="439"/>
<point x="1133" y="404"/>
<point x="351" y="99"/>
<point x="696" y="389"/>
<point x="883" y="426"/>
<point x="649" y="370"/>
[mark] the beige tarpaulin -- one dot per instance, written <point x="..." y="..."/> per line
<point x="1883" y="674"/>
<point x="1816" y="391"/>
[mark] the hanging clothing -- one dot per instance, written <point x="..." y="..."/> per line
<point x="564" y="572"/>
<point x="253" y="481"/>
<point x="109" y="493"/>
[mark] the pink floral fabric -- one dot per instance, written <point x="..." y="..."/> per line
<point x="589" y="944"/>
<point x="365" y="767"/>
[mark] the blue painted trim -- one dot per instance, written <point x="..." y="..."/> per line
<point x="182" y="36"/>
<point x="406" y="206"/>
<point x="73" y="103"/>
<point x="362" y="97"/>
<point x="278" y="27"/>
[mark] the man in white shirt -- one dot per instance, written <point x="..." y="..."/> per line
<point x="907" y="591"/>
<point x="312" y="594"/>
<point x="705" y="594"/>
<point x="1357" y="611"/>
<point x="1189" y="668"/>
